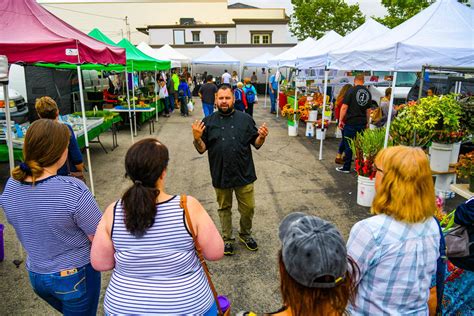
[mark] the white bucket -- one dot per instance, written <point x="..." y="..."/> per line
<point x="365" y="191"/>
<point x="313" y="116"/>
<point x="309" y="129"/>
<point x="440" y="156"/>
<point x="372" y="126"/>
<point x="293" y="129"/>
<point x="338" y="133"/>
<point x="455" y="153"/>
<point x="328" y="115"/>
<point x="320" y="135"/>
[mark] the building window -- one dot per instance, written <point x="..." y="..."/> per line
<point x="221" y="37"/>
<point x="261" y="38"/>
<point x="196" y="36"/>
<point x="178" y="36"/>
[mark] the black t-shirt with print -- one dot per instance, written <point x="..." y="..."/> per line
<point x="358" y="99"/>
<point x="208" y="92"/>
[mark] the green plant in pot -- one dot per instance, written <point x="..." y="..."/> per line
<point x="465" y="168"/>
<point x="365" y="147"/>
<point x="409" y="126"/>
<point x="467" y="118"/>
<point x="442" y="115"/>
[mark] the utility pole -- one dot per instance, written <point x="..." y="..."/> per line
<point x="128" y="28"/>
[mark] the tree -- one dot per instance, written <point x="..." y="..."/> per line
<point x="401" y="10"/>
<point x="312" y="18"/>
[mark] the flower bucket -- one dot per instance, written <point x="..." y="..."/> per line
<point x="320" y="134"/>
<point x="309" y="129"/>
<point x="372" y="126"/>
<point x="440" y="156"/>
<point x="365" y="191"/>
<point x="313" y="116"/>
<point x="292" y="128"/>
<point x="455" y="153"/>
<point x="327" y="115"/>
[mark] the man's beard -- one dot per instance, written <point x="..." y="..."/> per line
<point x="229" y="110"/>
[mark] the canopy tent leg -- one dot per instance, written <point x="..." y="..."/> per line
<point x="156" y="95"/>
<point x="133" y="100"/>
<point x="422" y="79"/>
<point x="326" y="73"/>
<point x="266" y="88"/>
<point x="9" y="129"/>
<point x="86" y="136"/>
<point x="128" y="103"/>
<point x="390" y="110"/>
<point x="295" y="104"/>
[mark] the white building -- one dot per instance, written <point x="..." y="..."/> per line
<point x="191" y="26"/>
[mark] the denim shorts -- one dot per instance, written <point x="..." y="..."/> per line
<point x="74" y="294"/>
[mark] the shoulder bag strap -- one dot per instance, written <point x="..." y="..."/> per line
<point x="184" y="206"/>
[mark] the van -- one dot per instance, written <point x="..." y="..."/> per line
<point x="16" y="94"/>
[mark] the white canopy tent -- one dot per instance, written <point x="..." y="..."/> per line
<point x="261" y="61"/>
<point x="173" y="55"/>
<point x="145" y="48"/>
<point x="442" y="34"/>
<point x="364" y="33"/>
<point x="216" y="56"/>
<point x="291" y="54"/>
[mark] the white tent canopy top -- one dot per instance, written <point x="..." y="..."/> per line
<point x="290" y="54"/>
<point x="216" y="56"/>
<point x="259" y="61"/>
<point x="164" y="53"/>
<point x="173" y="54"/>
<point x="442" y="34"/>
<point x="364" y="33"/>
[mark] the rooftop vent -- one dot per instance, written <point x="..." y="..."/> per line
<point x="187" y="21"/>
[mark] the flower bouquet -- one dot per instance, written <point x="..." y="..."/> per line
<point x="319" y="124"/>
<point x="465" y="168"/>
<point x="290" y="113"/>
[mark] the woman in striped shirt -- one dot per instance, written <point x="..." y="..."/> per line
<point x="55" y="218"/>
<point x="145" y="239"/>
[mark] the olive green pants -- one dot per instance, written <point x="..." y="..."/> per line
<point x="246" y="205"/>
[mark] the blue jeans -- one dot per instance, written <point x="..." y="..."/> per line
<point x="76" y="294"/>
<point x="350" y="131"/>
<point x="171" y="102"/>
<point x="272" y="101"/>
<point x="212" y="311"/>
<point x="207" y="108"/>
<point x="183" y="105"/>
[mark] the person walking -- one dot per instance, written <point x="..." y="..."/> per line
<point x="144" y="237"/>
<point x="234" y="79"/>
<point x="240" y="98"/>
<point x="250" y="95"/>
<point x="273" y="87"/>
<point x="175" y="79"/>
<point x="184" y="95"/>
<point x="227" y="135"/>
<point x="171" y="94"/>
<point x="163" y="94"/>
<point x="47" y="108"/>
<point x="225" y="79"/>
<point x="354" y="117"/>
<point x="55" y="218"/>
<point x="207" y="93"/>
<point x="339" y="101"/>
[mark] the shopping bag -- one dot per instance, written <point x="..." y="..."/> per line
<point x="190" y="106"/>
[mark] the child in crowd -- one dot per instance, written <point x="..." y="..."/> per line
<point x="184" y="95"/>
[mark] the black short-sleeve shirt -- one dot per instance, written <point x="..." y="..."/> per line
<point x="358" y="99"/>
<point x="228" y="139"/>
<point x="208" y="92"/>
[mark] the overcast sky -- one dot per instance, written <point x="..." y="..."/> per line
<point x="368" y="7"/>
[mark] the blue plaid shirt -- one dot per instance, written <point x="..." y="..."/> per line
<point x="397" y="261"/>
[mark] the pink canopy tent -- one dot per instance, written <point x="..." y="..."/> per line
<point x="31" y="34"/>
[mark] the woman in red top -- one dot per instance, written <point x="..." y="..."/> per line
<point x="339" y="101"/>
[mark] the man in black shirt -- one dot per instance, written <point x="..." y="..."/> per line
<point x="354" y="116"/>
<point x="207" y="93"/>
<point x="227" y="135"/>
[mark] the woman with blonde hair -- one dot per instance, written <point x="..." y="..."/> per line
<point x="55" y="219"/>
<point x="396" y="250"/>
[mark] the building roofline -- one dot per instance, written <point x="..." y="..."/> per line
<point x="261" y="21"/>
<point x="228" y="45"/>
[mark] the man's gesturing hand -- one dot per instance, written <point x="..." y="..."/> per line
<point x="263" y="130"/>
<point x="198" y="129"/>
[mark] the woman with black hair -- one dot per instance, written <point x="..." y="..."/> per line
<point x="145" y="239"/>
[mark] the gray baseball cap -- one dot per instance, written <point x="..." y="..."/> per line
<point x="312" y="248"/>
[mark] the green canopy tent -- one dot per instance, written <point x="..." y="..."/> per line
<point x="98" y="35"/>
<point x="139" y="61"/>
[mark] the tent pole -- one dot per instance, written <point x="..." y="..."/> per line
<point x="156" y="96"/>
<point x="326" y="74"/>
<point x="277" y="78"/>
<point x="133" y="100"/>
<point x="128" y="103"/>
<point x="84" y="122"/>
<point x="9" y="129"/>
<point x="266" y="88"/>
<point x="390" y="110"/>
<point x="422" y="79"/>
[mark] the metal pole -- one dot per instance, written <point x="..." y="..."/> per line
<point x="9" y="128"/>
<point x="156" y="95"/>
<point x="422" y="79"/>
<point x="266" y="88"/>
<point x="326" y="73"/>
<point x="277" y="78"/>
<point x="84" y="122"/>
<point x="390" y="110"/>
<point x="128" y="102"/>
<point x="133" y="100"/>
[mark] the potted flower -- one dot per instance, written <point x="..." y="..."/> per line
<point x="365" y="147"/>
<point x="320" y="132"/>
<point x="465" y="168"/>
<point x="292" y="116"/>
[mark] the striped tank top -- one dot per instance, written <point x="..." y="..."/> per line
<point x="158" y="273"/>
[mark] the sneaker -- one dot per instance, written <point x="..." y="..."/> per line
<point x="228" y="248"/>
<point x="250" y="243"/>
<point x="341" y="169"/>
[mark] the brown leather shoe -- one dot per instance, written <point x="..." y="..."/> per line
<point x="339" y="161"/>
